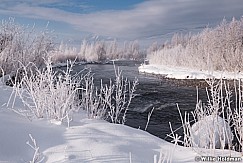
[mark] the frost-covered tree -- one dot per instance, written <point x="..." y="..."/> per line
<point x="64" y="53"/>
<point x="131" y="50"/>
<point x="98" y="51"/>
<point x="81" y="54"/>
<point x="153" y="47"/>
<point x="218" y="48"/>
<point x="112" y="50"/>
<point x="20" y="45"/>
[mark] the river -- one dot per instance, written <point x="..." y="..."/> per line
<point x="151" y="92"/>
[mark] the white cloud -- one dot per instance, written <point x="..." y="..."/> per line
<point x="148" y="19"/>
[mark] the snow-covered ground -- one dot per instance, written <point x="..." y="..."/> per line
<point x="87" y="140"/>
<point x="186" y="73"/>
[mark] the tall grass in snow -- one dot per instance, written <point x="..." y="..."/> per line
<point x="218" y="48"/>
<point x="217" y="124"/>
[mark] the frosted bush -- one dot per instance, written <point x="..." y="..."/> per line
<point x="48" y="94"/>
<point x="91" y="98"/>
<point x="20" y="45"/>
<point x="110" y="101"/>
<point x="211" y="132"/>
<point x="121" y="97"/>
<point x="55" y="95"/>
<point x="217" y="123"/>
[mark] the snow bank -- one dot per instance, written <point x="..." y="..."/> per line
<point x="186" y="73"/>
<point x="86" y="141"/>
<point x="93" y="141"/>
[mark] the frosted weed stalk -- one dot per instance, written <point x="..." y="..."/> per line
<point x="37" y="156"/>
<point x="47" y="94"/>
<point x="237" y="117"/>
<point x="123" y="94"/>
<point x="110" y="101"/>
<point x="215" y="122"/>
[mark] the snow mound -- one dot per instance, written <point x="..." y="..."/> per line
<point x="211" y="131"/>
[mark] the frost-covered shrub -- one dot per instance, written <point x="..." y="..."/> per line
<point x="218" y="48"/>
<point x="20" y="45"/>
<point x="219" y="123"/>
<point x="56" y="95"/>
<point x="211" y="132"/>
<point x="123" y="91"/>
<point x="48" y="94"/>
<point x="110" y="101"/>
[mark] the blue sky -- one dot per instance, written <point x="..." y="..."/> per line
<point x="146" y="21"/>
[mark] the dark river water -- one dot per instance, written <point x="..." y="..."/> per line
<point x="151" y="92"/>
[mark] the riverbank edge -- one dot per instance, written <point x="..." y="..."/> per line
<point x="178" y="76"/>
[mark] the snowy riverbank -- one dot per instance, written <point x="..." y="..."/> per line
<point x="186" y="73"/>
<point x="87" y="140"/>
